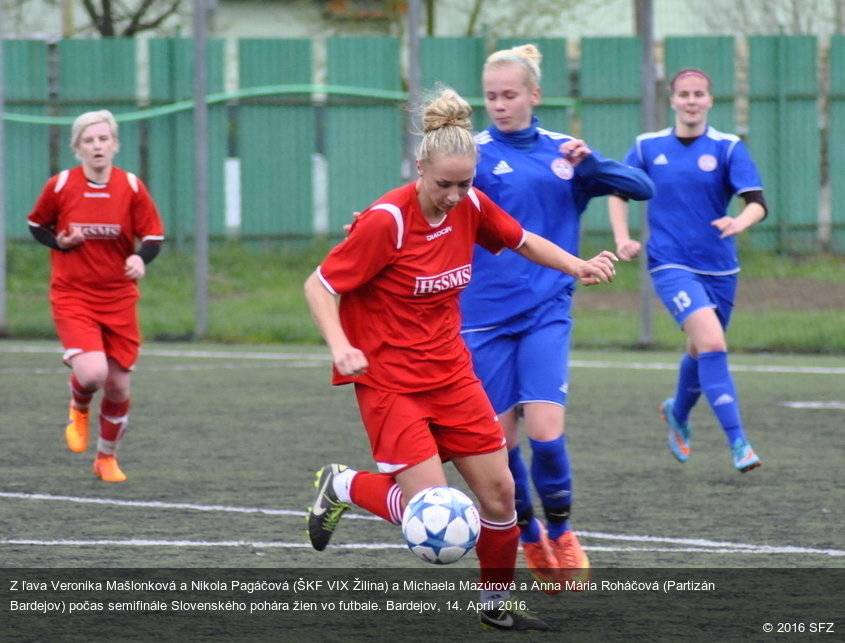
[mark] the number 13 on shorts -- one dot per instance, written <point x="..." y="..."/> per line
<point x="682" y="301"/>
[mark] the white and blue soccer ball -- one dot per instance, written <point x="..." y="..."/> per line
<point x="440" y="525"/>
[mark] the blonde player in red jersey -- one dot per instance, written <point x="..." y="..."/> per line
<point x="103" y="228"/>
<point x="395" y="335"/>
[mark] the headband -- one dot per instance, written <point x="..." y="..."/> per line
<point x="691" y="72"/>
<point x="519" y="60"/>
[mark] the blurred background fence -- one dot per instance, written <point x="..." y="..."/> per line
<point x="289" y="157"/>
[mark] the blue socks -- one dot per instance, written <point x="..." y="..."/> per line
<point x="718" y="386"/>
<point x="552" y="478"/>
<point x="689" y="388"/>
<point x="529" y="528"/>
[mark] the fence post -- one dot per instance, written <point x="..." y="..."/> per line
<point x="200" y="168"/>
<point x="645" y="30"/>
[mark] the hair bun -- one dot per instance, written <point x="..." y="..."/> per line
<point x="446" y="109"/>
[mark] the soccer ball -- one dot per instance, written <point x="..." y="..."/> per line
<point x="441" y="525"/>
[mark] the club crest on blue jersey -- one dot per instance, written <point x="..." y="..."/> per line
<point x="707" y="163"/>
<point x="562" y="169"/>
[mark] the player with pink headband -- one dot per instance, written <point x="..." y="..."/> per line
<point x="692" y="253"/>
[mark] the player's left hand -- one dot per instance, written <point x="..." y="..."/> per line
<point x="728" y="226"/>
<point x="71" y="238"/>
<point x="575" y="151"/>
<point x="598" y="270"/>
<point x="347" y="228"/>
<point x="134" y="267"/>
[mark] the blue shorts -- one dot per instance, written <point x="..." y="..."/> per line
<point x="683" y="292"/>
<point x="526" y="359"/>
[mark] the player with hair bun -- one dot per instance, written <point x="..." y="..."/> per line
<point x="692" y="253"/>
<point x="516" y="314"/>
<point x="395" y="336"/>
<point x="103" y="228"/>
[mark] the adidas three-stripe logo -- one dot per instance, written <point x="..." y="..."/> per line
<point x="723" y="399"/>
<point x="502" y="167"/>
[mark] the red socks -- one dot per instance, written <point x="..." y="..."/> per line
<point x="496" y="549"/>
<point x="113" y="418"/>
<point x="80" y="395"/>
<point x="379" y="494"/>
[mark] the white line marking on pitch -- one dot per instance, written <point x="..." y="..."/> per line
<point x="831" y="404"/>
<point x="141" y="542"/>
<point x="693" y="544"/>
<point x="739" y="368"/>
<point x="308" y="358"/>
<point x="154" y="504"/>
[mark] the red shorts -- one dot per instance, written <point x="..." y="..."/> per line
<point x="82" y="328"/>
<point x="408" y="428"/>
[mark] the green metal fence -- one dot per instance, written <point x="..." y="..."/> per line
<point x="300" y="157"/>
<point x="170" y="163"/>
<point x="609" y="108"/>
<point x="276" y="139"/>
<point x="27" y="160"/>
<point x="784" y="138"/>
<point x="836" y="145"/>
<point x="363" y="136"/>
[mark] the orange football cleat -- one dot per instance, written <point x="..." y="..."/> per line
<point x="573" y="563"/>
<point x="76" y="432"/>
<point x="542" y="563"/>
<point x="106" y="468"/>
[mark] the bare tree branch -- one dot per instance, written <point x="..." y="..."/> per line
<point x="135" y="19"/>
<point x="155" y="22"/>
<point x="817" y="17"/>
<point x="111" y="18"/>
<point x="473" y="16"/>
<point x="509" y="18"/>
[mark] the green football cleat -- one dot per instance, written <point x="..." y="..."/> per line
<point x="327" y="510"/>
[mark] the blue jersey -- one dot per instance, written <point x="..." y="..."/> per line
<point x="526" y="174"/>
<point x="695" y="184"/>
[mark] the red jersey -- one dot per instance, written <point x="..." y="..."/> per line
<point x="113" y="217"/>
<point x="399" y="278"/>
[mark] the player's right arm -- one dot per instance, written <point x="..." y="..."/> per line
<point x="61" y="241"/>
<point x="42" y="220"/>
<point x="323" y="305"/>
<point x="626" y="247"/>
<point x="617" y="205"/>
<point x="373" y="239"/>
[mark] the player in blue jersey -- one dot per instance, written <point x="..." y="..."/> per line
<point x="691" y="251"/>
<point x="516" y="315"/>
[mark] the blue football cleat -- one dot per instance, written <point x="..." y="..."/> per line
<point x="679" y="434"/>
<point x="744" y="457"/>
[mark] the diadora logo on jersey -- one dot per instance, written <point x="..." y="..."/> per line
<point x="562" y="169"/>
<point x="707" y="162"/>
<point x="99" y="230"/>
<point x="661" y="160"/>
<point x="456" y="278"/>
<point x="439" y="233"/>
<point x="502" y="167"/>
